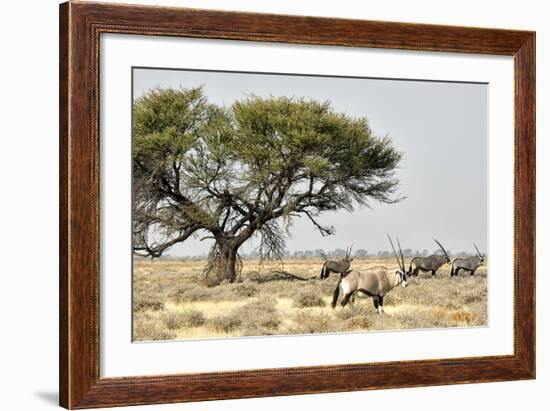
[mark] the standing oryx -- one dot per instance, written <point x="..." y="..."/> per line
<point x="337" y="266"/>
<point x="375" y="283"/>
<point x="431" y="263"/>
<point x="470" y="264"/>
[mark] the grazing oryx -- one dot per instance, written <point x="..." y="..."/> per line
<point x="375" y="283"/>
<point x="431" y="263"/>
<point x="470" y="264"/>
<point x="337" y="266"/>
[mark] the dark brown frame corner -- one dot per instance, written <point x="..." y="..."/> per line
<point x="81" y="24"/>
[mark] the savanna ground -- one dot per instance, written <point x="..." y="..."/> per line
<point x="171" y="301"/>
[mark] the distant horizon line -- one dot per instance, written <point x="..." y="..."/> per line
<point x="302" y="254"/>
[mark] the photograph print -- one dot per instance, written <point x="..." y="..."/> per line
<point x="276" y="204"/>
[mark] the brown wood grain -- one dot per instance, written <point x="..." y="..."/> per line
<point x="80" y="27"/>
<point x="63" y="205"/>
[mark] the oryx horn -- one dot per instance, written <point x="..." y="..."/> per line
<point x="395" y="253"/>
<point x="401" y="253"/>
<point x="442" y="248"/>
<point x="478" y="253"/>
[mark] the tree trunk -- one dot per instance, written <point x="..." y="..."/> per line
<point x="228" y="263"/>
<point x="222" y="262"/>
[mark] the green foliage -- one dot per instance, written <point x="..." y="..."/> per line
<point x="164" y="121"/>
<point x="306" y="141"/>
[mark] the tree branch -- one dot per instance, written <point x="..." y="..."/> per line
<point x="156" y="250"/>
<point x="325" y="231"/>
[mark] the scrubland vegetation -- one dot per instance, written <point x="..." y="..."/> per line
<point x="172" y="301"/>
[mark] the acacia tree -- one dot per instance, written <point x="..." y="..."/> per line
<point x="248" y="170"/>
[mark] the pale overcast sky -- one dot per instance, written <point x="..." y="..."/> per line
<point x="440" y="127"/>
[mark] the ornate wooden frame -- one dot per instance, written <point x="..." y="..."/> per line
<point x="80" y="27"/>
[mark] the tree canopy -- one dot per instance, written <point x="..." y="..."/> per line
<point x="229" y="173"/>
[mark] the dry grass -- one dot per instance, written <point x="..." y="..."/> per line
<point x="309" y="299"/>
<point x="171" y="301"/>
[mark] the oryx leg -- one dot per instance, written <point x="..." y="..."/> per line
<point x="378" y="303"/>
<point x="457" y="271"/>
<point x="346" y="299"/>
<point x="472" y="272"/>
<point x="433" y="273"/>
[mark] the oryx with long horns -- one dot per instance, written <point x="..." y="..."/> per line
<point x="470" y="264"/>
<point x="430" y="263"/>
<point x="337" y="266"/>
<point x="375" y="283"/>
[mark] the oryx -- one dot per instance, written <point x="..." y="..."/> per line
<point x="375" y="283"/>
<point x="337" y="266"/>
<point x="470" y="264"/>
<point x="430" y="263"/>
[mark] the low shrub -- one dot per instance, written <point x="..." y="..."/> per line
<point x="464" y="316"/>
<point x="245" y="290"/>
<point x="359" y="322"/>
<point x="308" y="299"/>
<point x="144" y="303"/>
<point x="191" y="318"/>
<point x="226" y="323"/>
<point x="151" y="330"/>
<point x="258" y="317"/>
<point x="474" y="298"/>
<point x="193" y="293"/>
<point x="308" y="323"/>
<point x="194" y="318"/>
<point x="255" y="276"/>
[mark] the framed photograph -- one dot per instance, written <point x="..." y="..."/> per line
<point x="259" y="205"/>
